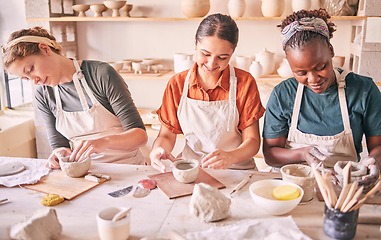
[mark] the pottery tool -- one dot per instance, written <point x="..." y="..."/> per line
<point x="120" y="215"/>
<point x="367" y="195"/>
<point x="342" y="196"/>
<point x="92" y="178"/>
<point x="241" y="184"/>
<point x="121" y="192"/>
<point x="3" y="200"/>
<point x="350" y="195"/>
<point x="322" y="186"/>
<point x="99" y="175"/>
<point x="347" y="174"/>
<point x="353" y="200"/>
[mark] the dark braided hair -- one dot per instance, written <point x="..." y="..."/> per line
<point x="303" y="38"/>
<point x="220" y="25"/>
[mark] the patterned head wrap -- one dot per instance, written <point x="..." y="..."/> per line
<point x="33" y="39"/>
<point x="313" y="24"/>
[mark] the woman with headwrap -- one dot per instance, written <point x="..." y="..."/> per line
<point x="322" y="113"/>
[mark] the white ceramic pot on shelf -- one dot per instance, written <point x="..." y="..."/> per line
<point x="256" y="69"/>
<point x="284" y="70"/>
<point x="195" y="8"/>
<point x="236" y="8"/>
<point x="301" y="4"/>
<point x="266" y="59"/>
<point x="182" y="62"/>
<point x="243" y="62"/>
<point x="272" y="8"/>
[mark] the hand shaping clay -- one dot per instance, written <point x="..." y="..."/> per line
<point x="75" y="169"/>
<point x="209" y="204"/>
<point x="43" y="225"/>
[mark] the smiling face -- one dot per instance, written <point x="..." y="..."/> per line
<point x="312" y="65"/>
<point x="213" y="55"/>
<point x="40" y="68"/>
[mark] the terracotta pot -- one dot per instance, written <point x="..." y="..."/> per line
<point x="236" y="8"/>
<point x="195" y="8"/>
<point x="272" y="8"/>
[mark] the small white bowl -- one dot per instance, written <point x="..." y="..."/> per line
<point x="261" y="193"/>
<point x="117" y="65"/>
<point x="186" y="171"/>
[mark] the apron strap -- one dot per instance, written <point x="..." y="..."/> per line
<point x="78" y="87"/>
<point x="232" y="98"/>
<point x="297" y="103"/>
<point x="340" y="77"/>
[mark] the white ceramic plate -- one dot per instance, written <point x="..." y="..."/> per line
<point x="10" y="168"/>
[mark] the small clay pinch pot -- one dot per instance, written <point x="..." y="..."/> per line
<point x="75" y="169"/>
<point x="186" y="171"/>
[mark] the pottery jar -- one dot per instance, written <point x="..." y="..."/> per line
<point x="301" y="4"/>
<point x="243" y="62"/>
<point x="256" y="69"/>
<point x="195" y="8"/>
<point x="236" y="8"/>
<point x="182" y="62"/>
<point x="266" y="59"/>
<point x="272" y="8"/>
<point x="284" y="69"/>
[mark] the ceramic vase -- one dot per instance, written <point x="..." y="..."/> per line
<point x="243" y="62"/>
<point x="256" y="69"/>
<point x="284" y="69"/>
<point x="195" y="8"/>
<point x="272" y="8"/>
<point x="236" y="8"/>
<point x="266" y="59"/>
<point x="301" y="4"/>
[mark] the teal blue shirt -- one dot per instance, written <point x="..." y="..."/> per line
<point x="320" y="113"/>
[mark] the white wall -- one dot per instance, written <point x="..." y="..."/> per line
<point x="114" y="41"/>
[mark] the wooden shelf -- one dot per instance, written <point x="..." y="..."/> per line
<point x="146" y="19"/>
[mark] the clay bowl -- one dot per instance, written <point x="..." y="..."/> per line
<point x="125" y="10"/>
<point x="137" y="67"/>
<point x="302" y="175"/>
<point x="75" y="169"/>
<point x="117" y="65"/>
<point x="115" y="6"/>
<point x="98" y="9"/>
<point x="81" y="9"/>
<point x="261" y="193"/>
<point x="186" y="171"/>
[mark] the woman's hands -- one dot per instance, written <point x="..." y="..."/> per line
<point x="53" y="160"/>
<point x="218" y="159"/>
<point x="158" y="154"/>
<point x="84" y="148"/>
<point x="313" y="156"/>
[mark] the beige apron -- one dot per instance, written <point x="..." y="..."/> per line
<point x="339" y="147"/>
<point x="92" y="123"/>
<point x="208" y="126"/>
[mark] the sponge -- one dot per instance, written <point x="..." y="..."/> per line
<point x="286" y="192"/>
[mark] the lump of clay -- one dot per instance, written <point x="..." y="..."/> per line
<point x="208" y="204"/>
<point x="43" y="225"/>
<point x="75" y="169"/>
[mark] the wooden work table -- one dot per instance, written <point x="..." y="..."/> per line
<point x="154" y="216"/>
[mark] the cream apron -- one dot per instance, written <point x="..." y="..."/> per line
<point x="92" y="123"/>
<point x="208" y="126"/>
<point x="339" y="147"/>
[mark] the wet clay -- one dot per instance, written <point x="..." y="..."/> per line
<point x="75" y="169"/>
<point x="301" y="175"/>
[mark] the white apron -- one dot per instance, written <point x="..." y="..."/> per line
<point x="92" y="123"/>
<point x="208" y="126"/>
<point x="339" y="147"/>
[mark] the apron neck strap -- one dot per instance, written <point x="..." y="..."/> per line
<point x="340" y="79"/>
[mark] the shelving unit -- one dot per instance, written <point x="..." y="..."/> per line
<point x="147" y="19"/>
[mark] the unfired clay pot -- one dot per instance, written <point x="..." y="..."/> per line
<point x="301" y="175"/>
<point x="236" y="8"/>
<point x="186" y="171"/>
<point x="115" y="6"/>
<point x="75" y="169"/>
<point x="272" y="8"/>
<point x="195" y="8"/>
<point x="284" y="69"/>
<point x="81" y="9"/>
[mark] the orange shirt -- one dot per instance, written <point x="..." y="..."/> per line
<point x="249" y="104"/>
